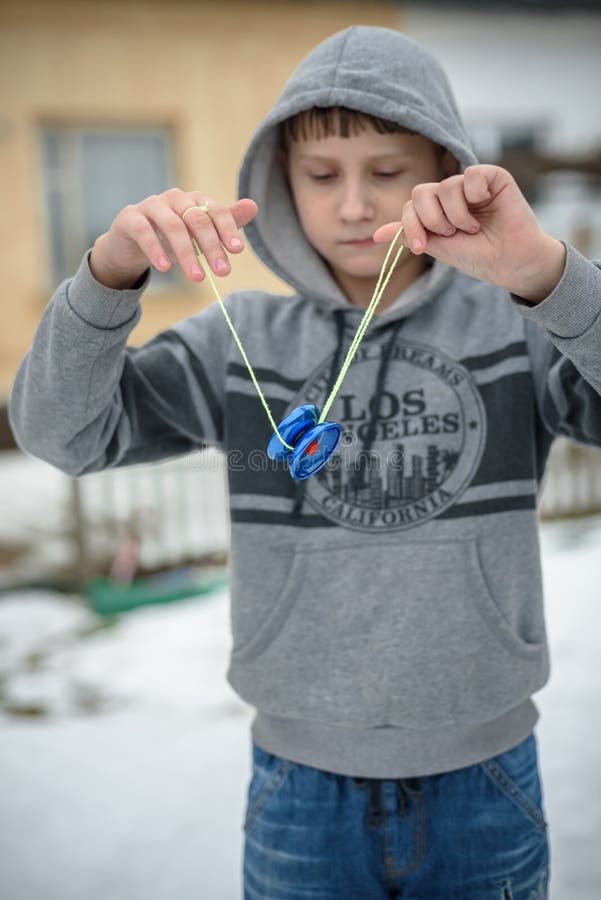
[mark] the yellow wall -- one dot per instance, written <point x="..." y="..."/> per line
<point x="208" y="70"/>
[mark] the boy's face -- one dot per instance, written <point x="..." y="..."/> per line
<point x="345" y="188"/>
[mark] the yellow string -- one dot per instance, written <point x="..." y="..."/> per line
<point x="237" y="339"/>
<point x="367" y="317"/>
<point x="377" y="296"/>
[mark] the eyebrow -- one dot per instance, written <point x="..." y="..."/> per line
<point x="377" y="156"/>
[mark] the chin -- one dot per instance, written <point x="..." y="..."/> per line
<point x="362" y="270"/>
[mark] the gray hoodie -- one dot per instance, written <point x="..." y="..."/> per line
<point x="387" y="616"/>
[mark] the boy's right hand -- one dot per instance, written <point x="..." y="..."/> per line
<point x="152" y="232"/>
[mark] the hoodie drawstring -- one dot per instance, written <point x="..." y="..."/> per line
<point x="340" y="324"/>
<point x="405" y="787"/>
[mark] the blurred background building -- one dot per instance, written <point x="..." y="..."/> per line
<point x="107" y="101"/>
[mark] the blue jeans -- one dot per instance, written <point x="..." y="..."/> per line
<point x="476" y="833"/>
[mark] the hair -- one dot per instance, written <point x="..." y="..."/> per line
<point x="321" y="122"/>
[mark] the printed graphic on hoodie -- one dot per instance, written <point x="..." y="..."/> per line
<point x="430" y="431"/>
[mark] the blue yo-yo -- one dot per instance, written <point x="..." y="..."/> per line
<point x="313" y="442"/>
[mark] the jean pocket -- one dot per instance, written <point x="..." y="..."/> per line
<point x="515" y="773"/>
<point x="268" y="774"/>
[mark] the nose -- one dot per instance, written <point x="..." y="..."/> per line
<point x="355" y="202"/>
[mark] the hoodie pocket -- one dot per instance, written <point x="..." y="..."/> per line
<point x="393" y="633"/>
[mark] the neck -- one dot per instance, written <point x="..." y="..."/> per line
<point x="359" y="291"/>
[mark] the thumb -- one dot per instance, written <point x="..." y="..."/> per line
<point x="244" y="211"/>
<point x="386" y="232"/>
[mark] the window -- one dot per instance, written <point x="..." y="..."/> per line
<point x="89" y="175"/>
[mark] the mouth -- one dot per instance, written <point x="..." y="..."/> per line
<point x="360" y="242"/>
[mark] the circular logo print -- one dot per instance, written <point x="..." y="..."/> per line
<point x="428" y="434"/>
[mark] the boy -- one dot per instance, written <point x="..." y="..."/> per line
<point x="387" y="613"/>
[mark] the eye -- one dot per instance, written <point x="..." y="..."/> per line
<point x="320" y="177"/>
<point x="387" y="174"/>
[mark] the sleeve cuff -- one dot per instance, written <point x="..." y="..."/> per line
<point x="101" y="306"/>
<point x="575" y="303"/>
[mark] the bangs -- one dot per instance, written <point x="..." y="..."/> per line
<point x="322" y="122"/>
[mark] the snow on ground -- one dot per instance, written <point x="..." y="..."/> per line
<point x="131" y="787"/>
<point x="130" y="781"/>
<point x="569" y="730"/>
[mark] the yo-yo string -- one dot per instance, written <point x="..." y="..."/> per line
<point x="364" y="323"/>
<point x="238" y="341"/>
<point x="377" y="295"/>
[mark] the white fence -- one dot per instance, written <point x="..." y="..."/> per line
<point x="572" y="483"/>
<point x="178" y="510"/>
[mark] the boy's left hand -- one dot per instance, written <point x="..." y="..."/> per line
<point x="479" y="222"/>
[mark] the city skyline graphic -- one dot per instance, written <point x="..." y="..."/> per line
<point x="372" y="481"/>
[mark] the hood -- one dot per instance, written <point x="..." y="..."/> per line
<point x="374" y="70"/>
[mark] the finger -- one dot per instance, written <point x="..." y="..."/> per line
<point x="476" y="187"/>
<point x="454" y="204"/>
<point x="203" y="227"/>
<point x="140" y="229"/>
<point x="160" y="213"/>
<point x="244" y="211"/>
<point x="226" y="220"/>
<point x="415" y="233"/>
<point x="429" y="210"/>
<point x="386" y="232"/>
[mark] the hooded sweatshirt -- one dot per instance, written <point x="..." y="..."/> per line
<point x="387" y="617"/>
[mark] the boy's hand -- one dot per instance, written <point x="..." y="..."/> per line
<point x="479" y="222"/>
<point x="152" y="232"/>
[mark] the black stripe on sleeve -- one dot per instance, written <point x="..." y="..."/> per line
<point x="213" y="405"/>
<point x="264" y="375"/>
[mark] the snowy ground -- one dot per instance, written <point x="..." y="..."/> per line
<point x="131" y="788"/>
<point x="132" y="784"/>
